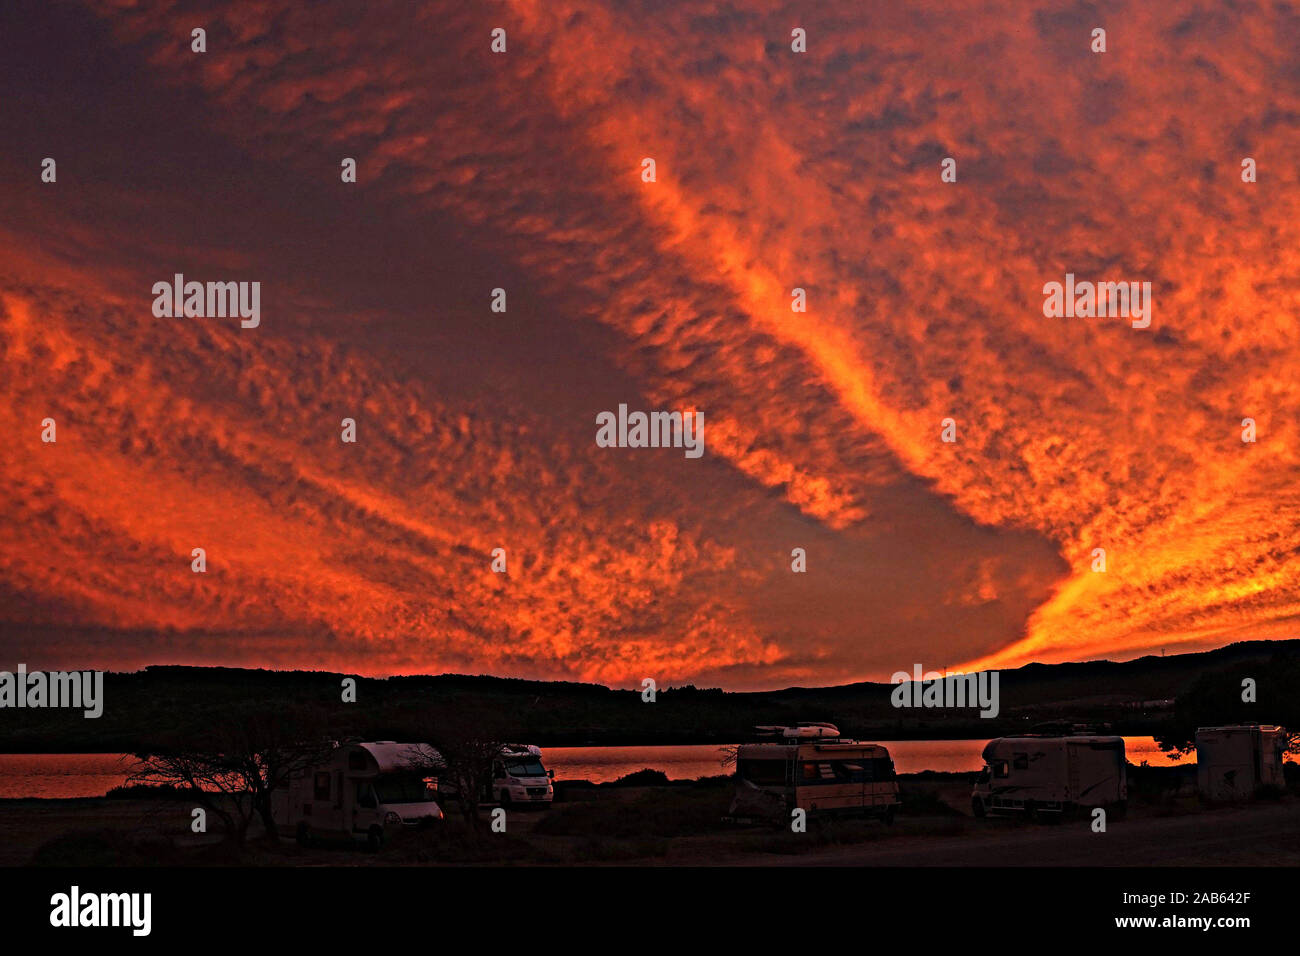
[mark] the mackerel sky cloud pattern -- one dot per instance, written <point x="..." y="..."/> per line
<point x="476" y="430"/>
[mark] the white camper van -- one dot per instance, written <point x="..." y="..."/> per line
<point x="1233" y="762"/>
<point x="811" y="767"/>
<point x="519" y="779"/>
<point x="1047" y="777"/>
<point x="359" y="791"/>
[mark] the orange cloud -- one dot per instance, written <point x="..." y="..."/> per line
<point x="775" y="171"/>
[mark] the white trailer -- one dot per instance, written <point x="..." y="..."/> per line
<point x="1051" y="776"/>
<point x="360" y="791"/>
<point x="519" y="779"/>
<point x="1235" y="761"/>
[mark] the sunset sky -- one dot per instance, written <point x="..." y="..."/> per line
<point x="476" y="430"/>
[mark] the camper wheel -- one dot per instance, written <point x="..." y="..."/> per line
<point x="888" y="816"/>
<point x="977" y="806"/>
<point x="304" y="835"/>
<point x="375" y="839"/>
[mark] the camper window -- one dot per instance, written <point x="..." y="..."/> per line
<point x="762" y="773"/>
<point x="322" y="787"/>
<point x="525" y="767"/>
<point x="1000" y="768"/>
<point x="818" y="771"/>
<point x="402" y="788"/>
<point x="366" y="796"/>
<point x="862" y="770"/>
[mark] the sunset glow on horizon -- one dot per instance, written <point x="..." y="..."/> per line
<point x="476" y="429"/>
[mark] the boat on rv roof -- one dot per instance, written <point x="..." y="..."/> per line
<point x="804" y="730"/>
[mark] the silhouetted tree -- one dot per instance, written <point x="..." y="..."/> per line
<point x="467" y="744"/>
<point x="1215" y="699"/>
<point x="232" y="769"/>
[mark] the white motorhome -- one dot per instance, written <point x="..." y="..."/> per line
<point x="1047" y="777"/>
<point x="519" y="779"/>
<point x="1233" y="762"/>
<point x="360" y="791"/>
<point x="809" y="766"/>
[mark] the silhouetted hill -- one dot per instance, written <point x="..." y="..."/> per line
<point x="158" y="704"/>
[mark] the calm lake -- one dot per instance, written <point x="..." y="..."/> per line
<point x="93" y="775"/>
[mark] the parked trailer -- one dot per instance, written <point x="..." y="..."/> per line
<point x="519" y="779"/>
<point x="811" y="767"/>
<point x="1044" y="777"/>
<point x="360" y="791"/>
<point x="1235" y="761"/>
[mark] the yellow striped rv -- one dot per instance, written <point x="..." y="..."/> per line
<point x="810" y="766"/>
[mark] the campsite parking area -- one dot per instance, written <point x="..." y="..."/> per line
<point x="681" y="824"/>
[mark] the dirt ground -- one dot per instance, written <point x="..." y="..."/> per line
<point x="683" y="826"/>
<point x="1247" y="835"/>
